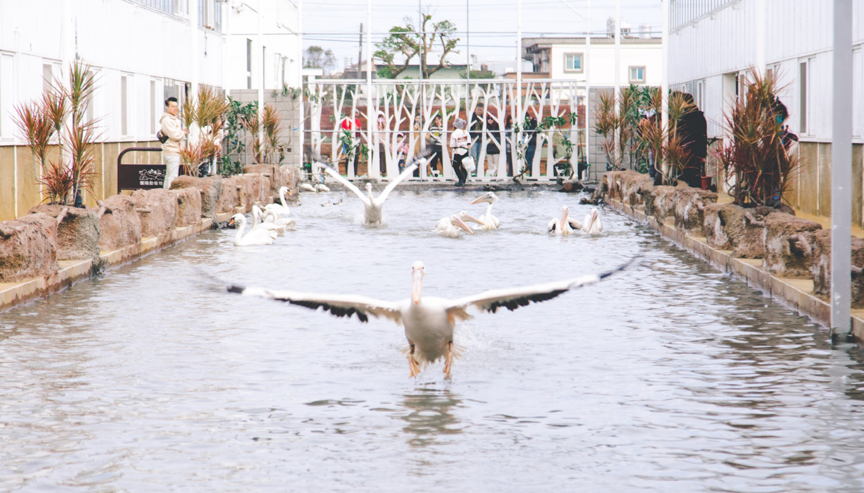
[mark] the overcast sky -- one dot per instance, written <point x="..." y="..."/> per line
<point x="491" y="24"/>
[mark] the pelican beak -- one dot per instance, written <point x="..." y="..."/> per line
<point x="479" y="200"/>
<point x="564" y="215"/>
<point x="462" y="225"/>
<point x="473" y="219"/>
<point x="417" y="287"/>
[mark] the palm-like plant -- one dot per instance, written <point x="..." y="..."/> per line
<point x="756" y="157"/>
<point x="58" y="181"/>
<point x="37" y="128"/>
<point x="253" y="125"/>
<point x="272" y="123"/>
<point x="79" y="140"/>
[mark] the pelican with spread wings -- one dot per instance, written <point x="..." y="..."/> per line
<point x="429" y="322"/>
<point x="372" y="205"/>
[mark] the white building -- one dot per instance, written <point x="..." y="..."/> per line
<point x="565" y="58"/>
<point x="141" y="51"/>
<point x="712" y="45"/>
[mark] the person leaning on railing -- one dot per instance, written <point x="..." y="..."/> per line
<point x="459" y="142"/>
<point x="171" y="147"/>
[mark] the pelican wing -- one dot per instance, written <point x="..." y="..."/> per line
<point x="514" y="298"/>
<point x="389" y="188"/>
<point x="575" y="224"/>
<point x="338" y="305"/>
<point x="350" y="186"/>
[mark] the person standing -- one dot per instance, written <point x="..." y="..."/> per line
<point x="694" y="137"/>
<point x="171" y="128"/>
<point x="531" y="135"/>
<point x="347" y="127"/>
<point x="508" y="134"/>
<point x="433" y="139"/>
<point x="476" y="132"/>
<point x="493" y="152"/>
<point x="459" y="142"/>
<point x="383" y="144"/>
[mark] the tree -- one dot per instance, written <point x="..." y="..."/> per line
<point x="317" y="57"/>
<point x="405" y="41"/>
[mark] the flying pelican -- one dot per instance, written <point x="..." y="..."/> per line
<point x="452" y="226"/>
<point x="372" y="206"/>
<point x="592" y="224"/>
<point x="428" y="321"/>
<point x="490" y="222"/>
<point x="255" y="237"/>
<point x="563" y="225"/>
<point x="282" y="207"/>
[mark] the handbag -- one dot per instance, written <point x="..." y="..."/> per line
<point x="160" y="135"/>
<point x="468" y="164"/>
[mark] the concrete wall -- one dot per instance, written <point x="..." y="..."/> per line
<point x="290" y="111"/>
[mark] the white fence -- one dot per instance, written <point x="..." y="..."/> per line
<point x="402" y="113"/>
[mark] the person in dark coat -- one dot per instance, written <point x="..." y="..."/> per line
<point x="693" y="130"/>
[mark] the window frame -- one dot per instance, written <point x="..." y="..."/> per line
<point x="581" y="68"/>
<point x="633" y="80"/>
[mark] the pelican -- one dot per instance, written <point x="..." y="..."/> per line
<point x="322" y="188"/>
<point x="563" y="225"/>
<point x="282" y="207"/>
<point x="270" y="217"/>
<point x="592" y="224"/>
<point x="372" y="206"/>
<point x="428" y="321"/>
<point x="307" y="187"/>
<point x="452" y="226"/>
<point x="259" y="223"/>
<point x="255" y="236"/>
<point x="490" y="222"/>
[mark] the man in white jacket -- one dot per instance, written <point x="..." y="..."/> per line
<point x="171" y="148"/>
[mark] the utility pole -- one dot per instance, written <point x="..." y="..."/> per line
<point x="360" y="52"/>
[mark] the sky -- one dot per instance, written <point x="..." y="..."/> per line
<point x="491" y="24"/>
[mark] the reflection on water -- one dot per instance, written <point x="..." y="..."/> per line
<point x="429" y="415"/>
<point x="671" y="377"/>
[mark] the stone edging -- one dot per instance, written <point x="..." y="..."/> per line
<point x="794" y="293"/>
<point x="71" y="271"/>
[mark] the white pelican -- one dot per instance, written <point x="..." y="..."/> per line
<point x="452" y="226"/>
<point x="490" y="222"/>
<point x="255" y="236"/>
<point x="281" y="208"/>
<point x="592" y="224"/>
<point x="563" y="225"/>
<point x="322" y="188"/>
<point x="259" y="223"/>
<point x="307" y="187"/>
<point x="372" y="206"/>
<point x="270" y="217"/>
<point x="428" y="321"/>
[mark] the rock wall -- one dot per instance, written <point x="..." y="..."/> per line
<point x="789" y="247"/>
<point x="28" y="247"/>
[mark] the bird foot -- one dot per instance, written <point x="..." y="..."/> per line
<point x="449" y="362"/>
<point x="412" y="364"/>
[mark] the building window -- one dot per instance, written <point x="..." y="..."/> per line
<point x="124" y="105"/>
<point x="637" y="75"/>
<point x="803" y="90"/>
<point x="6" y="82"/>
<point x="573" y="62"/>
<point x="248" y="64"/>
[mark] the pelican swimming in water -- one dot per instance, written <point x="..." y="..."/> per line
<point x="452" y="226"/>
<point x="429" y="322"/>
<point x="259" y="223"/>
<point x="256" y="236"/>
<point x="281" y="208"/>
<point x="564" y="225"/>
<point x="322" y="188"/>
<point x="592" y="224"/>
<point x="490" y="222"/>
<point x="307" y="187"/>
<point x="283" y="222"/>
<point x="372" y="206"/>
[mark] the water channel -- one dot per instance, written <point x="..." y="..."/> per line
<point x="668" y="377"/>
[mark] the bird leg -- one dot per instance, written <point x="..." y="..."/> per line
<point x="449" y="362"/>
<point x="412" y="363"/>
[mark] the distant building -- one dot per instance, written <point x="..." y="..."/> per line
<point x="565" y="58"/>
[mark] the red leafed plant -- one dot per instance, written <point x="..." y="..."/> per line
<point x="37" y="128"/>
<point x="58" y="182"/>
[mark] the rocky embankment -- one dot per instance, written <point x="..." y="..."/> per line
<point x="32" y="246"/>
<point x="789" y="247"/>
